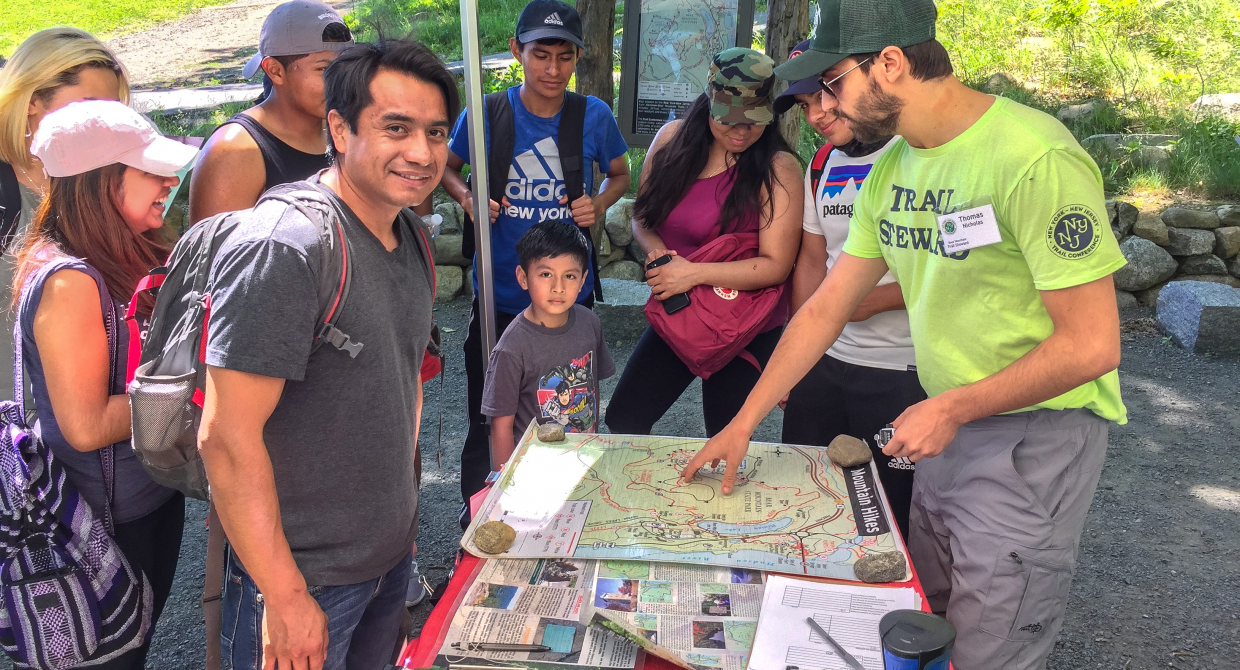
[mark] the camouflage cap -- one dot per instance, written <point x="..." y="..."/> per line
<point x="740" y="87"/>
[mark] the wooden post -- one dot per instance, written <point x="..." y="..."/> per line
<point x="598" y="22"/>
<point x="787" y="23"/>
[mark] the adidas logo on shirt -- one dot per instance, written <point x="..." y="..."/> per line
<point x="553" y="20"/>
<point x="901" y="463"/>
<point x="536" y="175"/>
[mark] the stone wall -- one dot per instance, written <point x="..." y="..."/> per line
<point x="612" y="238"/>
<point x="1179" y="243"/>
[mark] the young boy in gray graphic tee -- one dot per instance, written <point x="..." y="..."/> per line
<point x="548" y="363"/>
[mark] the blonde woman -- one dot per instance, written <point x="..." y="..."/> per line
<point x="49" y="70"/>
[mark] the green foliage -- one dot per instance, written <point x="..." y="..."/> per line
<point x="499" y="80"/>
<point x="102" y="18"/>
<point x="1163" y="53"/>
<point x="436" y="23"/>
<point x="637" y="158"/>
<point x="196" y="124"/>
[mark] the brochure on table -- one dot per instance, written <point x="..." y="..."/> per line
<point x="694" y="616"/>
<point x="848" y="613"/>
<point x="537" y="603"/>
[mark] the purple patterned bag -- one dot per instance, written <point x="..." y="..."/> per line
<point x="68" y="596"/>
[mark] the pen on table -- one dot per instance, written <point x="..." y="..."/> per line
<point x="848" y="658"/>
<point x="499" y="646"/>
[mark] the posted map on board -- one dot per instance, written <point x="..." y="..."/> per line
<point x="618" y="497"/>
<point x="677" y="40"/>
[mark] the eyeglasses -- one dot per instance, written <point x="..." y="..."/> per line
<point x="826" y="85"/>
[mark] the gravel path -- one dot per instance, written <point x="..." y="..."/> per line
<point x="209" y="46"/>
<point x="1158" y="584"/>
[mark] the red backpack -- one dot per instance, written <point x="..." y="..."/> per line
<point x="719" y="322"/>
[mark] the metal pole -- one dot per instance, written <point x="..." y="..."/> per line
<point x="476" y="118"/>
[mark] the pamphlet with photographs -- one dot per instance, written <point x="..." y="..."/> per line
<point x="544" y="602"/>
<point x="694" y="616"/>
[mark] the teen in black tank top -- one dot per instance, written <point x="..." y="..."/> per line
<point x="284" y="164"/>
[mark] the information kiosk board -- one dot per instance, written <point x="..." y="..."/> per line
<point x="665" y="57"/>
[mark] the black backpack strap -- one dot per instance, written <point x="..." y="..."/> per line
<point x="500" y="141"/>
<point x="10" y="204"/>
<point x="500" y="147"/>
<point x="569" y="141"/>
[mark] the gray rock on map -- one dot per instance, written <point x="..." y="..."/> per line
<point x="880" y="567"/>
<point x="550" y="432"/>
<point x="1147" y="265"/>
<point x="847" y="451"/>
<point x="1202" y="317"/>
<point x="494" y="537"/>
<point x="1189" y="242"/>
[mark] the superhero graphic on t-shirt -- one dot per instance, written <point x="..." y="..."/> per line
<point x="567" y="396"/>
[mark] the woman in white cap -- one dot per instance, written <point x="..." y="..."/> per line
<point x="97" y="232"/>
<point x="47" y="71"/>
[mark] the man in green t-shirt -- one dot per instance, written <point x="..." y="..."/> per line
<point x="991" y="218"/>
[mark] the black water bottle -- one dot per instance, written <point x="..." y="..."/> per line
<point x="914" y="640"/>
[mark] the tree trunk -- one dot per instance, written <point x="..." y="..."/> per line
<point x="594" y="68"/>
<point x="598" y="23"/>
<point x="787" y="23"/>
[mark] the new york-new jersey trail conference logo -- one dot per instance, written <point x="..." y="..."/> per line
<point x="1074" y="232"/>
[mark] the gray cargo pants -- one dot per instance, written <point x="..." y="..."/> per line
<point x="994" y="528"/>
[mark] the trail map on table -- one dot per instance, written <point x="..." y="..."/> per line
<point x="618" y="497"/>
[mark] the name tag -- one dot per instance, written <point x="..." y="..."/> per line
<point x="969" y="229"/>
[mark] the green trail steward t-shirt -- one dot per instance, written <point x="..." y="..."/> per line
<point x="975" y="312"/>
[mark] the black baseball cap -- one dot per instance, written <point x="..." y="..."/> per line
<point x="788" y="98"/>
<point x="848" y="27"/>
<point x="550" y="20"/>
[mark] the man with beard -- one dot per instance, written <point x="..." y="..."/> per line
<point x="869" y="376"/>
<point x="990" y="217"/>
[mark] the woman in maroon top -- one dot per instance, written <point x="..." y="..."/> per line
<point x="724" y="168"/>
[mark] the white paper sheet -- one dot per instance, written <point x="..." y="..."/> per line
<point x="850" y="615"/>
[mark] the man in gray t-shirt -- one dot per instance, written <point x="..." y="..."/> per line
<point x="311" y="455"/>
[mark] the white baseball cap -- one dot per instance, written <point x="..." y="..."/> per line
<point x="88" y="135"/>
<point x="298" y="28"/>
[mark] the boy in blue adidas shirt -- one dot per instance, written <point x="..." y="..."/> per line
<point x="547" y="44"/>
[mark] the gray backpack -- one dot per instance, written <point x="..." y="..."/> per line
<point x="167" y="377"/>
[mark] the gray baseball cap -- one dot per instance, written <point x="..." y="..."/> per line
<point x="297" y="28"/>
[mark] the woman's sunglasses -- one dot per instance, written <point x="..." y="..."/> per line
<point x="826" y="85"/>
